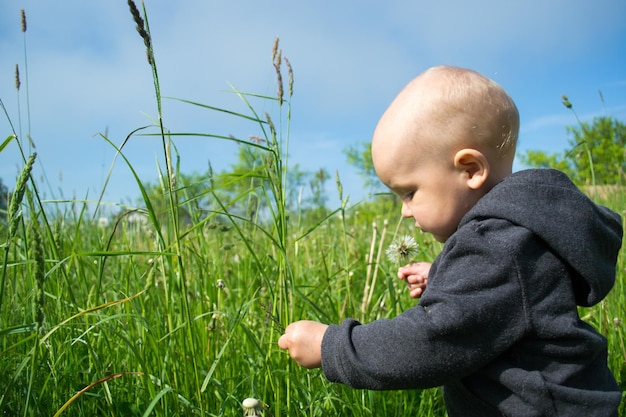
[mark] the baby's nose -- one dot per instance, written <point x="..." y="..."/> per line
<point x="406" y="212"/>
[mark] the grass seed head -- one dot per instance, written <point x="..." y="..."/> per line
<point x="339" y="185"/>
<point x="136" y="15"/>
<point x="290" y="72"/>
<point x="279" y="80"/>
<point x="141" y="29"/>
<point x="275" y="48"/>
<point x="17" y="77"/>
<point x="256" y="139"/>
<point x="23" y="15"/>
<point x="566" y="101"/>
<point x="14" y="212"/>
<point x="36" y="253"/>
<point x="278" y="58"/>
<point x="271" y="124"/>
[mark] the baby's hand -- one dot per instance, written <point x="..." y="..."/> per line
<point x="303" y="339"/>
<point x="416" y="277"/>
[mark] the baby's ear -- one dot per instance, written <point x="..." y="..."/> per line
<point x="474" y="166"/>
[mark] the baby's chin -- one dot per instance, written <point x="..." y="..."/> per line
<point x="439" y="238"/>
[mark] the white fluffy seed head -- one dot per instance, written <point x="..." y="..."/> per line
<point x="251" y="403"/>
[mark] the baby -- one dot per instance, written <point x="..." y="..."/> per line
<point x="497" y="323"/>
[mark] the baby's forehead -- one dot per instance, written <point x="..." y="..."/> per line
<point x="424" y="127"/>
<point x="445" y="110"/>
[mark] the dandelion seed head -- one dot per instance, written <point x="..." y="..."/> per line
<point x="251" y="403"/>
<point x="252" y="407"/>
<point x="402" y="249"/>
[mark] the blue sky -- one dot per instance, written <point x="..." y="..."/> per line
<point x="87" y="73"/>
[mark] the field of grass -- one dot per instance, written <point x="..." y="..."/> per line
<point x="179" y="317"/>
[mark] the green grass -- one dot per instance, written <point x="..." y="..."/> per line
<point x="609" y="316"/>
<point x="194" y="347"/>
<point x="181" y="317"/>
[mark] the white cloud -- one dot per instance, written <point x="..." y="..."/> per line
<point x="547" y="121"/>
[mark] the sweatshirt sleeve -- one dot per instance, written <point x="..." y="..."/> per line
<point x="472" y="310"/>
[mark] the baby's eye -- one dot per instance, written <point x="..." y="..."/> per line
<point x="408" y="196"/>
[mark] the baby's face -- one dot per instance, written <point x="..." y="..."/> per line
<point x="426" y="150"/>
<point x="433" y="191"/>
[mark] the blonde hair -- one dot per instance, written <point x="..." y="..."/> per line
<point x="460" y="108"/>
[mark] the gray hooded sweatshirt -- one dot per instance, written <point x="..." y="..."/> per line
<point x="498" y="325"/>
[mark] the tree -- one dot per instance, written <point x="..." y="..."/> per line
<point x="243" y="189"/>
<point x="360" y="156"/>
<point x="317" y="183"/>
<point x="597" y="153"/>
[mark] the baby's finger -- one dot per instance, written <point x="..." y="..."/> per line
<point x="283" y="342"/>
<point x="415" y="279"/>
<point x="416" y="292"/>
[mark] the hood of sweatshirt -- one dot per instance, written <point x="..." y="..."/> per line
<point x="584" y="235"/>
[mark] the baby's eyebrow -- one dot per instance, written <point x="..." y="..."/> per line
<point x="401" y="188"/>
<point x="401" y="192"/>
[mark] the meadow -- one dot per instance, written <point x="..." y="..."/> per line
<point x="179" y="313"/>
